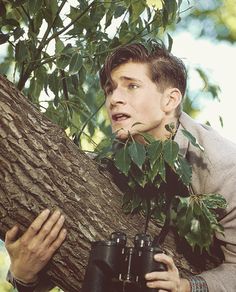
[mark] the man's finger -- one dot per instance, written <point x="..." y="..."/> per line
<point x="57" y="243"/>
<point x="48" y="227"/>
<point x="11" y="235"/>
<point x="163" y="285"/>
<point x="36" y="225"/>
<point x="54" y="231"/>
<point x="165" y="259"/>
<point x="157" y="276"/>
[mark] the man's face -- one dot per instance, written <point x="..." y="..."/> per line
<point x="134" y="98"/>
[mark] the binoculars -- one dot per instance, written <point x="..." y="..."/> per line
<point x="115" y="267"/>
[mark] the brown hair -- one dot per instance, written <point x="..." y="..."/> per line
<point x="165" y="69"/>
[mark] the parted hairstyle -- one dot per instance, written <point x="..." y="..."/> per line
<point x="166" y="70"/>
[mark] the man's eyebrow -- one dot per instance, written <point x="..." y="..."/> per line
<point x="127" y="78"/>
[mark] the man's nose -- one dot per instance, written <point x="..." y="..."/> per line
<point x="117" y="97"/>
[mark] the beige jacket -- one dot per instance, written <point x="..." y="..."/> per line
<point x="214" y="171"/>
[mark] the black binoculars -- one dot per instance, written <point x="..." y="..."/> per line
<point x="114" y="267"/>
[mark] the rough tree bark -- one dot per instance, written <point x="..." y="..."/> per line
<point x="41" y="168"/>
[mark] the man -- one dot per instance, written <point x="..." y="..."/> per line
<point x="144" y="90"/>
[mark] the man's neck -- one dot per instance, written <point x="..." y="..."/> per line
<point x="161" y="133"/>
<point x="167" y="129"/>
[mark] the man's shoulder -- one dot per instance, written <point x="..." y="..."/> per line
<point x="215" y="166"/>
<point x="209" y="138"/>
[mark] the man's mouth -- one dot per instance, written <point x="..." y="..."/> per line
<point x="120" y="117"/>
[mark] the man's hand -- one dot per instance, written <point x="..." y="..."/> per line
<point x="32" y="251"/>
<point x="168" y="280"/>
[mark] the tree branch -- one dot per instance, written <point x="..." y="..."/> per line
<point x="42" y="43"/>
<point x="70" y="24"/>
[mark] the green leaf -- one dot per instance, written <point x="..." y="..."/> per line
<point x="153" y="172"/>
<point x="21" y="52"/>
<point x="137" y="153"/>
<point x="136" y="10"/>
<point x="124" y="34"/>
<point x="41" y="76"/>
<point x="170" y="9"/>
<point x="75" y="63"/>
<point x="171" y="150"/>
<point x="12" y="22"/>
<point x="126" y="203"/>
<point x="184" y="203"/>
<point x="122" y="160"/>
<point x="192" y="139"/>
<point x="154" y="150"/>
<point x="53" y="7"/>
<point x="170" y="42"/>
<point x="159" y="169"/>
<point x="68" y="50"/>
<point x="147" y="137"/>
<point x="18" y="3"/>
<point x="203" y="75"/>
<point x="18" y="32"/>
<point x="74" y="12"/>
<point x="63" y="61"/>
<point x="170" y="128"/>
<point x="136" y="201"/>
<point x="34" y="89"/>
<point x="107" y="4"/>
<point x="37" y="21"/>
<point x="120" y="10"/>
<point x="82" y="75"/>
<point x="3" y="38"/>
<point x="138" y="176"/>
<point x="105" y="147"/>
<point x="53" y="82"/>
<point x="59" y="46"/>
<point x="221" y="121"/>
<point x="214" y="201"/>
<point x="109" y="16"/>
<point x="34" y="6"/>
<point x="184" y="170"/>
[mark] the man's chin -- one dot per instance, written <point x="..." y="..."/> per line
<point x="124" y="134"/>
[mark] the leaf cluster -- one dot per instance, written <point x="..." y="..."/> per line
<point x="196" y="218"/>
<point x="158" y="181"/>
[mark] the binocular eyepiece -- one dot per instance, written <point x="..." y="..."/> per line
<point x="115" y="267"/>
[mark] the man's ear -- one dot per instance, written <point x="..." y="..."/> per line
<point x="173" y="98"/>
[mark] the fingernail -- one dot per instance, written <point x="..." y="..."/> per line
<point x="147" y="276"/>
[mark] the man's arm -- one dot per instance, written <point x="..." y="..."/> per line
<point x="31" y="252"/>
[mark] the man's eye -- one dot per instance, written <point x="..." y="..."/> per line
<point x="133" y="86"/>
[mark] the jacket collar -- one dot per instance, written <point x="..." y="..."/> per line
<point x="180" y="138"/>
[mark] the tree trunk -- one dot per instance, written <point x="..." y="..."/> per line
<point x="40" y="167"/>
